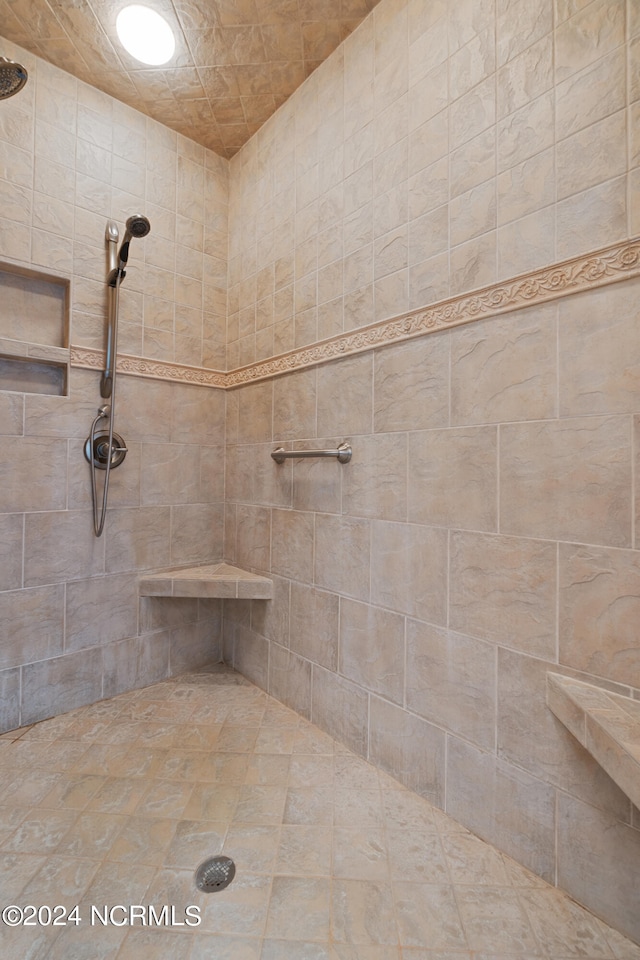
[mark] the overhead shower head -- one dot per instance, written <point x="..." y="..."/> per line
<point x="13" y="77"/>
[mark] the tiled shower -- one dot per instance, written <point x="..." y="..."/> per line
<point x="485" y="530"/>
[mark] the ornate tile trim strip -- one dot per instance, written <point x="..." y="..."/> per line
<point x="152" y="369"/>
<point x="619" y="261"/>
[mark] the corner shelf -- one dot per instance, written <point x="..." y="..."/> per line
<point x="207" y="581"/>
<point x="606" y="724"/>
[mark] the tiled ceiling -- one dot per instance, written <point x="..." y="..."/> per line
<point x="236" y="61"/>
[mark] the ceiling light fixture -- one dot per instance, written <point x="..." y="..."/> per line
<point x="145" y="35"/>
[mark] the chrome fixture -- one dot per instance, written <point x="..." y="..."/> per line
<point x="342" y="453"/>
<point x="106" y="449"/>
<point x="13" y="77"/>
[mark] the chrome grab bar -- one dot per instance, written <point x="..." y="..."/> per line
<point x="342" y="453"/>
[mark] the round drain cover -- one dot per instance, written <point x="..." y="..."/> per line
<point x="215" y="874"/>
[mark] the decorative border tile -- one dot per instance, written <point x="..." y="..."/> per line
<point x="152" y="369"/>
<point x="619" y="261"/>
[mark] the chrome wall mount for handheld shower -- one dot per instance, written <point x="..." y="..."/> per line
<point x="106" y="449"/>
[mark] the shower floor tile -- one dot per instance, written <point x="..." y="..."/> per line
<point x="113" y="807"/>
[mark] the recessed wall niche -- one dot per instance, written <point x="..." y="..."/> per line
<point x="34" y="331"/>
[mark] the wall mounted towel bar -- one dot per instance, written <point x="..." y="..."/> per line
<point x="342" y="453"/>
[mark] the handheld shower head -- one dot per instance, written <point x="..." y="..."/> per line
<point x="136" y="226"/>
<point x="13" y="77"/>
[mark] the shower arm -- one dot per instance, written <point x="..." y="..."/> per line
<point x="113" y="282"/>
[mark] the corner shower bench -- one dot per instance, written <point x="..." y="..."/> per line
<point x="607" y="724"/>
<point x="207" y="580"/>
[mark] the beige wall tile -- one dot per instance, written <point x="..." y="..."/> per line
<point x="593" y="155"/>
<point x="589" y="839"/>
<point x="137" y="539"/>
<point x="530" y="736"/>
<point x="292" y="538"/>
<point x="340" y="708"/>
<point x="409" y="569"/>
<point x="411" y="385"/>
<point x="598" y="594"/>
<point x="374" y="482"/>
<point x="451" y="681"/>
<point x="32" y="624"/>
<point x="502" y="804"/>
<point x="290" y="679"/>
<point x="526" y="244"/>
<point x="598" y="365"/>
<point x="314" y="625"/>
<point x="452" y="477"/>
<point x="294" y="406"/>
<point x="371" y="650"/>
<point x="10" y="699"/>
<point x="583" y="215"/>
<point x="100" y="611"/>
<point x="33" y="474"/>
<point x="253" y="537"/>
<point x="505" y="369"/>
<point x="61" y="546"/>
<point x="503" y="589"/>
<point x="589" y="35"/>
<point x="343" y="555"/>
<point x="344" y="396"/>
<point x="568" y="479"/>
<point x="409" y="748"/>
<point x="11" y="551"/>
<point x="57" y="686"/>
<point x="196" y="532"/>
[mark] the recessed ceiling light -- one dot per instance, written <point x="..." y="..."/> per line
<point x="145" y="35"/>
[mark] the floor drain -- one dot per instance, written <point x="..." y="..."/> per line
<point x="215" y="874"/>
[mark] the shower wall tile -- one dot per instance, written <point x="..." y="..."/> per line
<point x="170" y="473"/>
<point x="599" y="590"/>
<point x="137" y="539"/>
<point x="567" y="479"/>
<point x="314" y="625"/>
<point x="377" y="486"/>
<point x="409" y="569"/>
<point x="596" y="343"/>
<point x="196" y="532"/>
<point x="530" y="736"/>
<point x="135" y="662"/>
<point x="290" y="679"/>
<point x="59" y="685"/>
<point x="61" y="546"/>
<point x="505" y="369"/>
<point x="453" y="478"/>
<point x="502" y="804"/>
<point x="371" y="648"/>
<point x="590" y="840"/>
<point x="31" y="620"/>
<point x="409" y="748"/>
<point x="503" y="589"/>
<point x="341" y="708"/>
<point x="11" y="550"/>
<point x="292" y="540"/>
<point x="33" y="474"/>
<point x="451" y="681"/>
<point x="100" y="611"/>
<point x="342" y="557"/>
<point x="411" y="385"/>
<point x="10" y="698"/>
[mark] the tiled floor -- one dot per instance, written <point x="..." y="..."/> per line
<point x="116" y="805"/>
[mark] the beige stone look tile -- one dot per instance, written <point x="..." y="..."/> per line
<point x="371" y="649"/>
<point x="452" y="477"/>
<point x="411" y="385"/>
<point x="451" y="681"/>
<point x="409" y="569"/>
<point x="530" y="735"/>
<point x="342" y="555"/>
<point x="503" y="589"/>
<point x="396" y="744"/>
<point x="598" y="328"/>
<point x="505" y="369"/>
<point x="374" y="483"/>
<point x="292" y="534"/>
<point x="586" y="837"/>
<point x="597" y="596"/>
<point x="344" y="396"/>
<point x="503" y="805"/>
